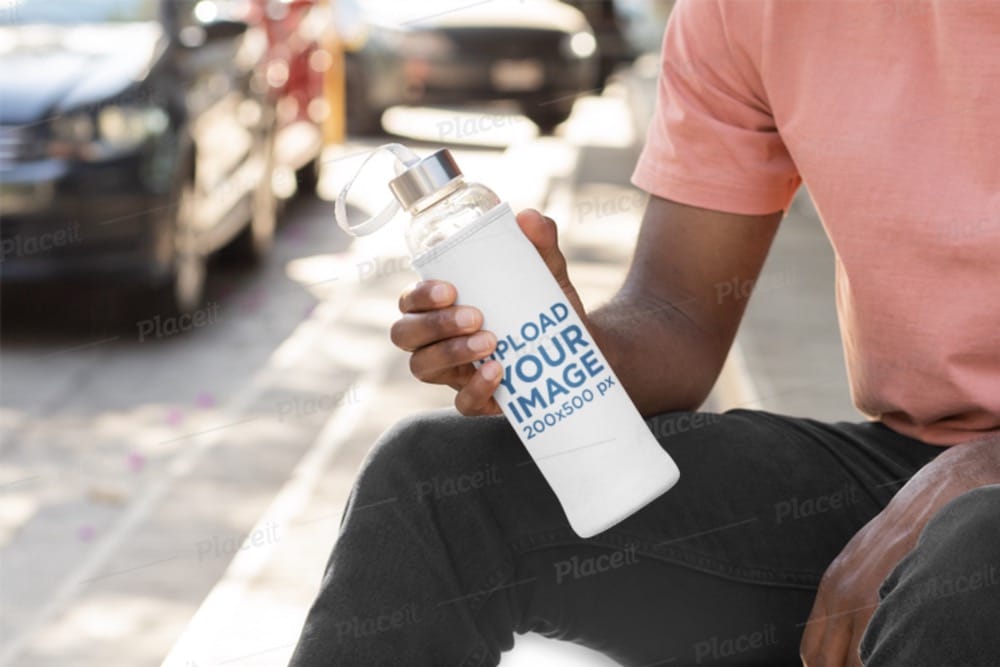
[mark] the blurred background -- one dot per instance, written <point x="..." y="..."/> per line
<point x="194" y="357"/>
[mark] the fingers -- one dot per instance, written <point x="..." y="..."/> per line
<point x="837" y="638"/>
<point x="474" y="387"/>
<point x="539" y="229"/>
<point x="427" y="295"/>
<point x="445" y="340"/>
<point x="434" y="362"/>
<point x="414" y="331"/>
<point x="430" y="316"/>
<point x="544" y="235"/>
<point x="832" y="635"/>
<point x="812" y="637"/>
<point x="476" y="397"/>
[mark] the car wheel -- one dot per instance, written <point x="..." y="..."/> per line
<point x="254" y="243"/>
<point x="185" y="290"/>
<point x="548" y="116"/>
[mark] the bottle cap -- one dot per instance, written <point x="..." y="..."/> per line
<point x="424" y="177"/>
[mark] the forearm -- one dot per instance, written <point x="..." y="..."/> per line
<point x="662" y="357"/>
<point x="667" y="331"/>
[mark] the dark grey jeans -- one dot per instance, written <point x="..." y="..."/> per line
<point x="452" y="542"/>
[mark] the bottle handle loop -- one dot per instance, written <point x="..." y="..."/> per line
<point x="404" y="158"/>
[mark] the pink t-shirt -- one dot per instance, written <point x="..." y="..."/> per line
<point x="890" y="112"/>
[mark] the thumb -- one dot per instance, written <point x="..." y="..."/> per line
<point x="544" y="235"/>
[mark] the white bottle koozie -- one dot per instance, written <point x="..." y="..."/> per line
<point x="558" y="391"/>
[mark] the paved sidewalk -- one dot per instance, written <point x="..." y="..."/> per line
<point x="788" y="359"/>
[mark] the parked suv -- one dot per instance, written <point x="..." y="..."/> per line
<point x="144" y="127"/>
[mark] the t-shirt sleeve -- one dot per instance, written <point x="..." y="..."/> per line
<point x="713" y="142"/>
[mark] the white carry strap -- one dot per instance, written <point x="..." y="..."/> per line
<point x="404" y="158"/>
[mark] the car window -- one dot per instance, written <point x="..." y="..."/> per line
<point x="78" y="11"/>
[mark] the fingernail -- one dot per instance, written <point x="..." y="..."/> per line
<point x="491" y="371"/>
<point x="440" y="294"/>
<point x="481" y="342"/>
<point x="465" y="318"/>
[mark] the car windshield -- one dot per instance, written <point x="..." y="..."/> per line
<point x="67" y="12"/>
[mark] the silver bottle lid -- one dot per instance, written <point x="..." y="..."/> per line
<point x="424" y="177"/>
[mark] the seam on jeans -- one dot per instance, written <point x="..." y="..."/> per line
<point x="479" y="655"/>
<point x="783" y="578"/>
<point x="491" y="584"/>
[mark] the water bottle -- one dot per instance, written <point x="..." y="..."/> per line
<point x="557" y="390"/>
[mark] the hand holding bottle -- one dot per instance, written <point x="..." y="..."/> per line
<point x="445" y="339"/>
<point x="540" y="362"/>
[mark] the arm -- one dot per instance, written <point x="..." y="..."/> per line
<point x="666" y="333"/>
<point x="848" y="593"/>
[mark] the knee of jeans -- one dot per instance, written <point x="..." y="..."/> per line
<point x="965" y="530"/>
<point x="954" y="567"/>
<point x="421" y="450"/>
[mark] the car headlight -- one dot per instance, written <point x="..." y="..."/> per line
<point x="114" y="129"/>
<point x="122" y="128"/>
<point x="580" y="44"/>
<point x="74" y="128"/>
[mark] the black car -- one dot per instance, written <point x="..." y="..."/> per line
<point x="135" y="141"/>
<point x="539" y="53"/>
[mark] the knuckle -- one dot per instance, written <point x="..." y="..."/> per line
<point x="555" y="230"/>
<point x="463" y="403"/>
<point x="458" y="350"/>
<point x="443" y="323"/>
<point x="396" y="332"/>
<point x="469" y="400"/>
<point x="404" y="300"/>
<point x="402" y="334"/>
<point x="417" y="369"/>
<point x="830" y="580"/>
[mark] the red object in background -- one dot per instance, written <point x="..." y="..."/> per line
<point x="297" y="63"/>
